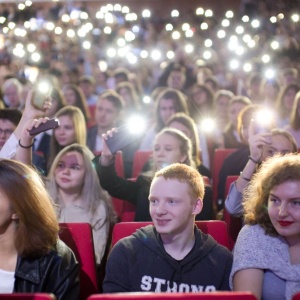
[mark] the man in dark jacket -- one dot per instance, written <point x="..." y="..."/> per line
<point x="173" y="255"/>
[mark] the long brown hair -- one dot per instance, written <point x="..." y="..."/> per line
<point x="36" y="224"/>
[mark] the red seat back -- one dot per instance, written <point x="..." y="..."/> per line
<point x="139" y="160"/>
<point x="27" y="296"/>
<point x="218" y="159"/>
<point x="217" y="229"/>
<point x="176" y="296"/>
<point x="296" y="296"/>
<point x="79" y="237"/>
<point x="234" y="224"/>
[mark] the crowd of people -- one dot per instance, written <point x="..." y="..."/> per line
<point x="193" y="83"/>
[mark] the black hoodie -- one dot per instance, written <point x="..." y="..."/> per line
<point x="139" y="263"/>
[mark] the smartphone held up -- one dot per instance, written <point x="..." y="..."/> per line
<point x="41" y="94"/>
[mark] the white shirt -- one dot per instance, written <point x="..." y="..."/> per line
<point x="7" y="281"/>
<point x="9" y="149"/>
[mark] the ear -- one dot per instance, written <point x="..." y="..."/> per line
<point x="197" y="206"/>
<point x="14" y="216"/>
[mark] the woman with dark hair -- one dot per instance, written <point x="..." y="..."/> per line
<point x="32" y="258"/>
<point x="266" y="255"/>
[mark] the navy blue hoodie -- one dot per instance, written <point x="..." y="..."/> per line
<point x="139" y="263"/>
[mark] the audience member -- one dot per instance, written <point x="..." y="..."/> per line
<point x="32" y="258"/>
<point x="170" y="146"/>
<point x="12" y="91"/>
<point x="73" y="184"/>
<point x="188" y="260"/>
<point x="266" y="254"/>
<point x="262" y="146"/>
<point x="87" y="84"/>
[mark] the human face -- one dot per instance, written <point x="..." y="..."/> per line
<point x="70" y="172"/>
<point x="288" y="98"/>
<point x="106" y="114"/>
<point x="176" y="80"/>
<point x="284" y="210"/>
<point x="167" y="151"/>
<point x="6" y="214"/>
<point x="70" y="96"/>
<point x="166" y="109"/>
<point x="172" y="209"/>
<point x="126" y="95"/>
<point x="279" y="144"/>
<point x="234" y="111"/>
<point x="182" y="128"/>
<point x="65" y="132"/>
<point x="6" y="129"/>
<point x="12" y="95"/>
<point x="199" y="96"/>
<point x="222" y="106"/>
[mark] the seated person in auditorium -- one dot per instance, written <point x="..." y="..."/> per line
<point x="187" y="260"/>
<point x="235" y="162"/>
<point x="73" y="184"/>
<point x="32" y="258"/>
<point x="266" y="255"/>
<point x="262" y="146"/>
<point x="170" y="146"/>
<point x="12" y="93"/>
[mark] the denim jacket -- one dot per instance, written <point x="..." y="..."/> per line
<point x="57" y="272"/>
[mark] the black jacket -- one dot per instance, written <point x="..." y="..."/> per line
<point x="139" y="263"/>
<point x="57" y="272"/>
<point x="138" y="192"/>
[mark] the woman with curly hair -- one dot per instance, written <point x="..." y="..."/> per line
<point x="266" y="254"/>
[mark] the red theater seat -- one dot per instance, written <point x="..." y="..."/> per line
<point x="29" y="296"/>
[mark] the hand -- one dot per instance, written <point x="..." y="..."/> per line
<point x="257" y="142"/>
<point x="106" y="155"/>
<point x="27" y="139"/>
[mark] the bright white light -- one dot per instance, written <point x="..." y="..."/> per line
<point x="169" y="27"/>
<point x="175" y="13"/>
<point x="207" y="125"/>
<point x="104" y="9"/>
<point x="175" y="35"/>
<point x="208" y="43"/>
<point x="65" y="18"/>
<point x="136" y="29"/>
<point x="86" y="45"/>
<point x="295" y="18"/>
<point x="111" y="52"/>
<point x="255" y="24"/>
<point x="246" y="38"/>
<point x="20" y="32"/>
<point x="207" y="55"/>
<point x="19" y="52"/>
<point x="100" y="15"/>
<point x="146" y="13"/>
<point x="117" y="7"/>
<point x="265" y="58"/>
<point x="240" y="50"/>
<point x="221" y="34"/>
<point x="125" y="10"/>
<point x="247" y="67"/>
<point x="189" y="48"/>
<point x="70" y="33"/>
<point x="280" y="16"/>
<point x="274" y="45"/>
<point x="58" y="30"/>
<point x="273" y="19"/>
<point x="225" y="23"/>
<point x="121" y="42"/>
<point x="28" y="3"/>
<point x="233" y="43"/>
<point x="229" y="14"/>
<point x="234" y="64"/>
<point x="109" y="18"/>
<point x="185" y="26"/>
<point x="132" y="59"/>
<point x="2" y="20"/>
<point x="199" y="11"/>
<point x="136" y="124"/>
<point x="239" y="30"/>
<point x="11" y="25"/>
<point x="5" y="29"/>
<point x="81" y="32"/>
<point x="269" y="73"/>
<point x="50" y="26"/>
<point x="129" y="36"/>
<point x="84" y="15"/>
<point x="122" y="51"/>
<point x="245" y="19"/>
<point x="44" y="87"/>
<point x="21" y="6"/>
<point x="189" y="33"/>
<point x="74" y="15"/>
<point x="36" y="57"/>
<point x="144" y="54"/>
<point x="31" y="47"/>
<point x="102" y="65"/>
<point x="146" y="99"/>
<point x="155" y="55"/>
<point x="208" y="13"/>
<point x="204" y="26"/>
<point x="107" y="30"/>
<point x="109" y="7"/>
<point x="170" y="54"/>
<point x="251" y="44"/>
